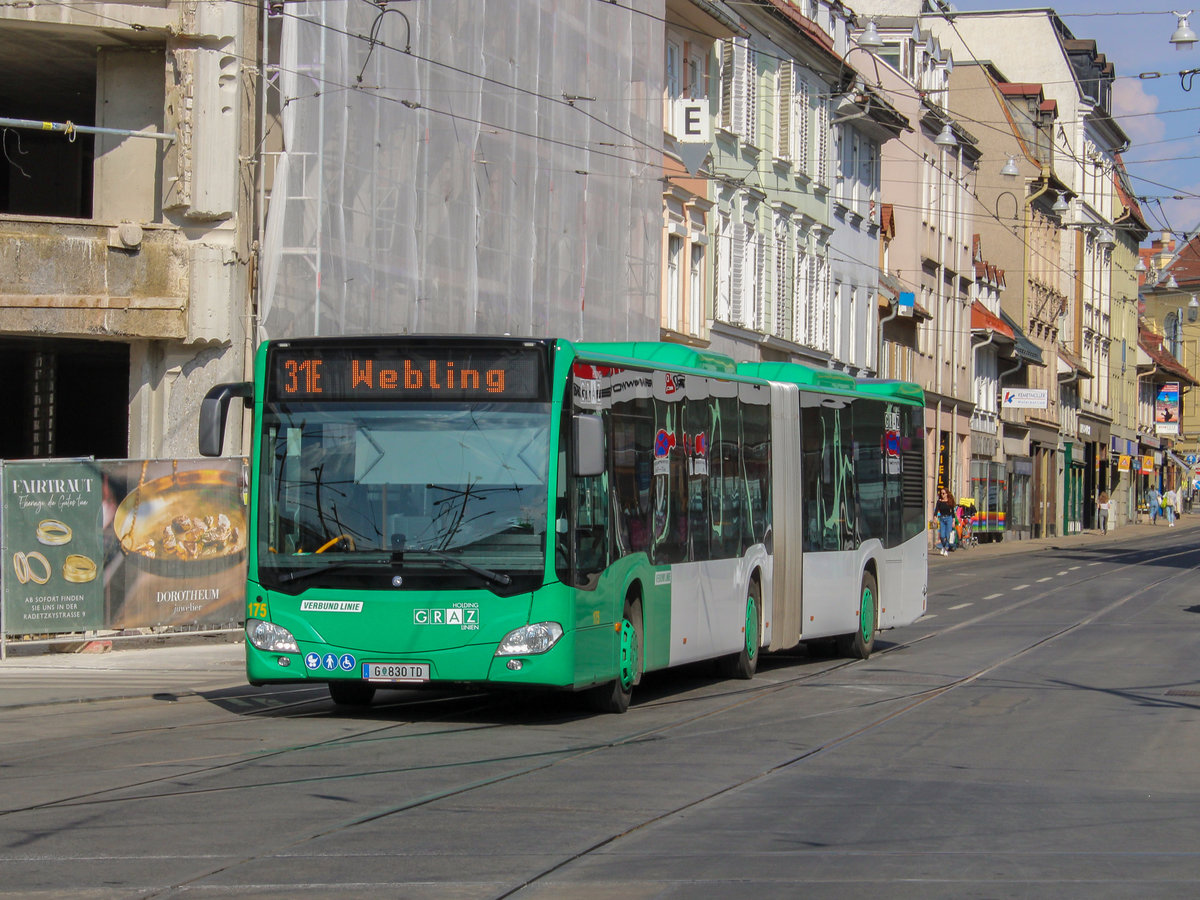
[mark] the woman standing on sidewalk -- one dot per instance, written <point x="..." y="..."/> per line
<point x="943" y="510"/>
<point x="1102" y="506"/>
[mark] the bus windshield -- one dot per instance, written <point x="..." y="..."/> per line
<point x="452" y="495"/>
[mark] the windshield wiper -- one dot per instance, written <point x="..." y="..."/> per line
<point x="396" y="560"/>
<point x="497" y="577"/>
<point x="297" y="574"/>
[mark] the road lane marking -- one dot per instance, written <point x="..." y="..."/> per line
<point x="960" y="606"/>
<point x="1020" y="587"/>
<point x="1047" y="578"/>
<point x="1073" y="568"/>
<point x="992" y="596"/>
<point x="1094" y="564"/>
<point x="1063" y="572"/>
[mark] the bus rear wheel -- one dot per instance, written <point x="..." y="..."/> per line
<point x="744" y="663"/>
<point x="614" y="696"/>
<point x="860" y="644"/>
<point x="351" y="693"/>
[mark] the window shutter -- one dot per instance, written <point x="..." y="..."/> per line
<point x="801" y="112"/>
<point x="727" y="70"/>
<point x="737" y="255"/>
<point x="783" y="105"/>
<point x="822" y="143"/>
<point x="749" y="98"/>
<point x="800" y="295"/>
<point x="759" y="318"/>
<point x="734" y="53"/>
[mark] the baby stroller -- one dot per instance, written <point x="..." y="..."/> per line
<point x="964" y="522"/>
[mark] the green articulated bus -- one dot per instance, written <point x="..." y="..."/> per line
<point x="518" y="513"/>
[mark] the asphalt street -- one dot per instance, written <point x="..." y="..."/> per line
<point x="1033" y="735"/>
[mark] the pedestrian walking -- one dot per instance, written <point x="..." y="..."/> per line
<point x="1168" y="502"/>
<point x="1102" y="507"/>
<point x="1154" y="504"/>
<point x="1179" y="503"/>
<point x="943" y="511"/>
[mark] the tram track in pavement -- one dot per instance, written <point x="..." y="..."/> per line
<point x="527" y="764"/>
<point x="484" y="702"/>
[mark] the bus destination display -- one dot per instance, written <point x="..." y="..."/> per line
<point x="406" y="373"/>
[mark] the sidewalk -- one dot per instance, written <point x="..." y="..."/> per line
<point x="166" y="672"/>
<point x="1116" y="538"/>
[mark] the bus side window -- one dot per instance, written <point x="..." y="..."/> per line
<point x="590" y="521"/>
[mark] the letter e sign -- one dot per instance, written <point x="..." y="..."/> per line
<point x="692" y="120"/>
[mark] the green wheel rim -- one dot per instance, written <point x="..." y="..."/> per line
<point x="629" y="654"/>
<point x="751" y="628"/>
<point x="866" y="614"/>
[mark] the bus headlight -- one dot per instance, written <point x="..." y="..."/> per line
<point x="269" y="636"/>
<point x="530" y="639"/>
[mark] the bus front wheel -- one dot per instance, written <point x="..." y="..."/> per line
<point x="860" y="644"/>
<point x="614" y="696"/>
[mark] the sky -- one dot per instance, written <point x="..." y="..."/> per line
<point x="1160" y="114"/>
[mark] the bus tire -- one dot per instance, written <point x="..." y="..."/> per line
<point x="614" y="696"/>
<point x="744" y="663"/>
<point x="860" y="644"/>
<point x="351" y="693"/>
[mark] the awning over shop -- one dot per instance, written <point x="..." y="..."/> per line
<point x="1179" y="462"/>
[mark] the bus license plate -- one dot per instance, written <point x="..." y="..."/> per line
<point x="395" y="671"/>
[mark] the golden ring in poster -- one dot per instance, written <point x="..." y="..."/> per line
<point x="30" y="559"/>
<point x="53" y="532"/>
<point x="79" y="569"/>
<point x="21" y="567"/>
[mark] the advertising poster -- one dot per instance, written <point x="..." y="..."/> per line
<point x="1166" y="409"/>
<point x="123" y="544"/>
<point x="1123" y="462"/>
<point x="53" y="550"/>
<point x="175" y="542"/>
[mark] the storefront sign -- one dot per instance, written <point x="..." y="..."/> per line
<point x="1147" y="465"/>
<point x="1123" y="462"/>
<point x="1023" y="398"/>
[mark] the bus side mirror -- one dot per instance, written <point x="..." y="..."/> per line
<point x="588" y="446"/>
<point x="213" y="411"/>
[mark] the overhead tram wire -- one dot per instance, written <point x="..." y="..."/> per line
<point x="374" y="92"/>
<point x="546" y="97"/>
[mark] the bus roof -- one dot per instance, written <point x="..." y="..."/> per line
<point x="837" y="382"/>
<point x="657" y="353"/>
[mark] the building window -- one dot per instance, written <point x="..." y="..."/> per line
<point x="674" y="251"/>
<point x="695" y="322"/>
